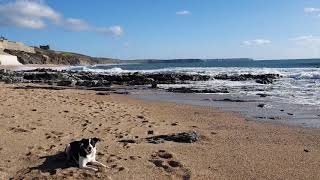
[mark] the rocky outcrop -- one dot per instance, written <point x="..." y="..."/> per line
<point x="261" y="78"/>
<point x="88" y="79"/>
<point x="102" y="81"/>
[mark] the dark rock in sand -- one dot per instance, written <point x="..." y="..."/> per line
<point x="130" y="141"/>
<point x="185" y="137"/>
<point x="66" y="83"/>
<point x="150" y="132"/>
<point x="93" y="83"/>
<point x="261" y="105"/>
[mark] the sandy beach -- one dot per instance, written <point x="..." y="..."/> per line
<point x="36" y="124"/>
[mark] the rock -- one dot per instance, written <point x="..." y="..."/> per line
<point x="150" y="132"/>
<point x="184" y="137"/>
<point x="261" y="105"/>
<point x="154" y="85"/>
<point x="130" y="141"/>
<point x="261" y="79"/>
<point x="93" y="83"/>
<point x="306" y="150"/>
<point x="66" y="83"/>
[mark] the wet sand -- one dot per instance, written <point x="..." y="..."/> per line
<point x="36" y="124"/>
<point x="35" y="66"/>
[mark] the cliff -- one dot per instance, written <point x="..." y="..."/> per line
<point x="57" y="57"/>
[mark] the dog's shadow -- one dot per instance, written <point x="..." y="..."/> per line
<point x="54" y="162"/>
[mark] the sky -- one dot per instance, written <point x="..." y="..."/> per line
<point x="167" y="29"/>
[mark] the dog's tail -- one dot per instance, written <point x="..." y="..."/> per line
<point x="67" y="152"/>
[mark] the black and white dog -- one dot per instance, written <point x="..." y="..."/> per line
<point x="83" y="152"/>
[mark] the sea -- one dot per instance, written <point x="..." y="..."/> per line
<point x="293" y="99"/>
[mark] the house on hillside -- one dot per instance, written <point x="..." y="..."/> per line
<point x="45" y="47"/>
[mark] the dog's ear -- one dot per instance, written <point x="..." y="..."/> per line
<point x="83" y="142"/>
<point x="96" y="139"/>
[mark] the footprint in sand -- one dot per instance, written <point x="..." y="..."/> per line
<point x="18" y="130"/>
<point x="165" y="160"/>
<point x="55" y="135"/>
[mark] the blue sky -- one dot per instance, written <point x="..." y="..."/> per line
<point x="133" y="29"/>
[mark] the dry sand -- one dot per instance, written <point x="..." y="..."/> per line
<point x="36" y="125"/>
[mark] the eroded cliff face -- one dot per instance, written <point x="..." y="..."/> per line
<point x="55" y="57"/>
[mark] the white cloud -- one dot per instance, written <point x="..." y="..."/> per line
<point x="183" y="13"/>
<point x="309" y="44"/>
<point x="311" y="10"/>
<point x="114" y="30"/>
<point x="256" y="42"/>
<point x="27" y="14"/>
<point x="307" y="40"/>
<point x="74" y="24"/>
<point x="35" y="14"/>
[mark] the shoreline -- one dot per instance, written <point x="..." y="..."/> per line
<point x="37" y="123"/>
<point x="254" y="108"/>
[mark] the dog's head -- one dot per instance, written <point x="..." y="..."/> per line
<point x="88" y="144"/>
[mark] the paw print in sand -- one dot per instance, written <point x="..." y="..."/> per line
<point x="165" y="160"/>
